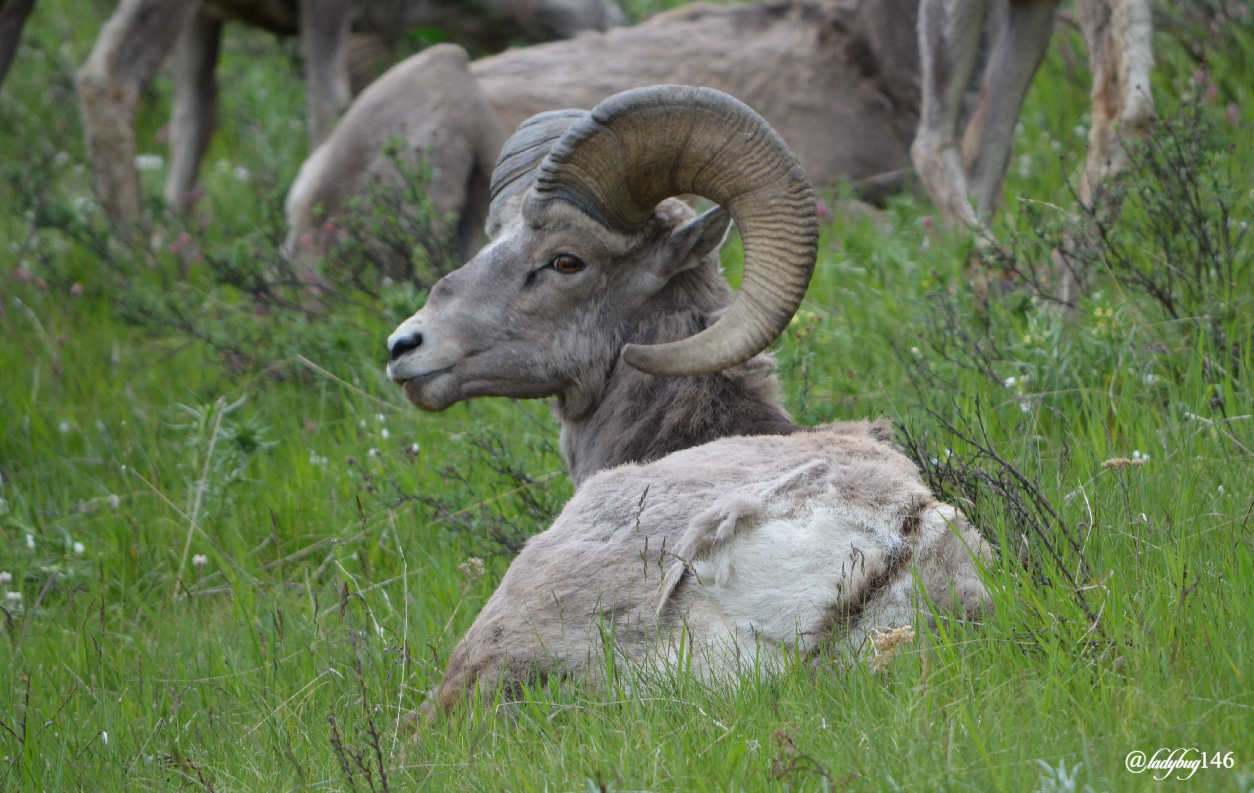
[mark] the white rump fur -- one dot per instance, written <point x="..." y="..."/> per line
<point x="743" y="551"/>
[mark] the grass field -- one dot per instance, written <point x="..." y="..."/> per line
<point x="240" y="574"/>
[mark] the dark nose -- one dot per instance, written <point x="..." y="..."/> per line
<point x="404" y="344"/>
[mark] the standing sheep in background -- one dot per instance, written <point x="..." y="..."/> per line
<point x="761" y="546"/>
<point x="839" y="80"/>
<point x="140" y="34"/>
<point x="955" y="172"/>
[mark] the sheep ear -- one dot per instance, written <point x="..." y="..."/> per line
<point x="694" y="240"/>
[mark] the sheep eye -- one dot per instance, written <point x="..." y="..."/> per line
<point x="565" y="263"/>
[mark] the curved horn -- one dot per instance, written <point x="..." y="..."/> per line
<point x="515" y="168"/>
<point x="648" y="144"/>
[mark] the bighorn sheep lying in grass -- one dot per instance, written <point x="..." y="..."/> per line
<point x="839" y="80"/>
<point x="135" y="41"/>
<point x="760" y="545"/>
<point x="1118" y="35"/>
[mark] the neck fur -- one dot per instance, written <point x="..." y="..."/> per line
<point x="623" y="415"/>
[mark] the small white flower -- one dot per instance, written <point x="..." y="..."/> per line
<point x="6" y="577"/>
<point x="1145" y="458"/>
<point x="61" y="159"/>
<point x="1221" y="488"/>
<point x="79" y="548"/>
<point x="1150" y="379"/>
<point x="241" y="173"/>
<point x="13" y="597"/>
<point x="65" y="428"/>
<point x="362" y="424"/>
<point x="379" y="417"/>
<point x="30" y="542"/>
<point x="200" y="560"/>
<point x="372" y="453"/>
<point x="383" y="433"/>
<point x="413" y="448"/>
<point x="314" y="459"/>
<point x="1079" y="131"/>
<point x="1136" y="455"/>
<point x="916" y="352"/>
<point x="104" y="738"/>
<point x="1024" y="407"/>
<point x="1056" y="146"/>
<point x="149" y="162"/>
<point x="1009" y="382"/>
<point x="114" y="500"/>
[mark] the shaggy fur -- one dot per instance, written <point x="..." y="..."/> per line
<point x="724" y="558"/>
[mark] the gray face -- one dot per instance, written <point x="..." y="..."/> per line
<point x="542" y="308"/>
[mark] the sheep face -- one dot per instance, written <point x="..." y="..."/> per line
<point x="546" y="304"/>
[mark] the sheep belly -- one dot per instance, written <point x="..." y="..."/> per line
<point x="783" y="582"/>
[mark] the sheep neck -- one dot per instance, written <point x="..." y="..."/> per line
<point x="619" y="415"/>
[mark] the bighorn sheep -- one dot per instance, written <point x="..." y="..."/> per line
<point x="135" y="41"/>
<point x="837" y="79"/>
<point x="1118" y="35"/>
<point x="762" y="545"/>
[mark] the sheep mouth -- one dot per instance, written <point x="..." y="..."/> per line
<point x="404" y="382"/>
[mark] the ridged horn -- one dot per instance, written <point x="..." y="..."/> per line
<point x="515" y="167"/>
<point x="642" y="146"/>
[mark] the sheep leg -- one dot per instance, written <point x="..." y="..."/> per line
<point x="989" y="139"/>
<point x="324" y="28"/>
<point x="949" y="37"/>
<point x="1118" y="35"/>
<point x="195" y="105"/>
<point x="128" y="52"/>
<point x="13" y="16"/>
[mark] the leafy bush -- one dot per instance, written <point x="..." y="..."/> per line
<point x="232" y="290"/>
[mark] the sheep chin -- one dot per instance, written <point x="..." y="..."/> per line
<point x="433" y="392"/>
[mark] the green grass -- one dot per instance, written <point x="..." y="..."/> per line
<point x="332" y="585"/>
